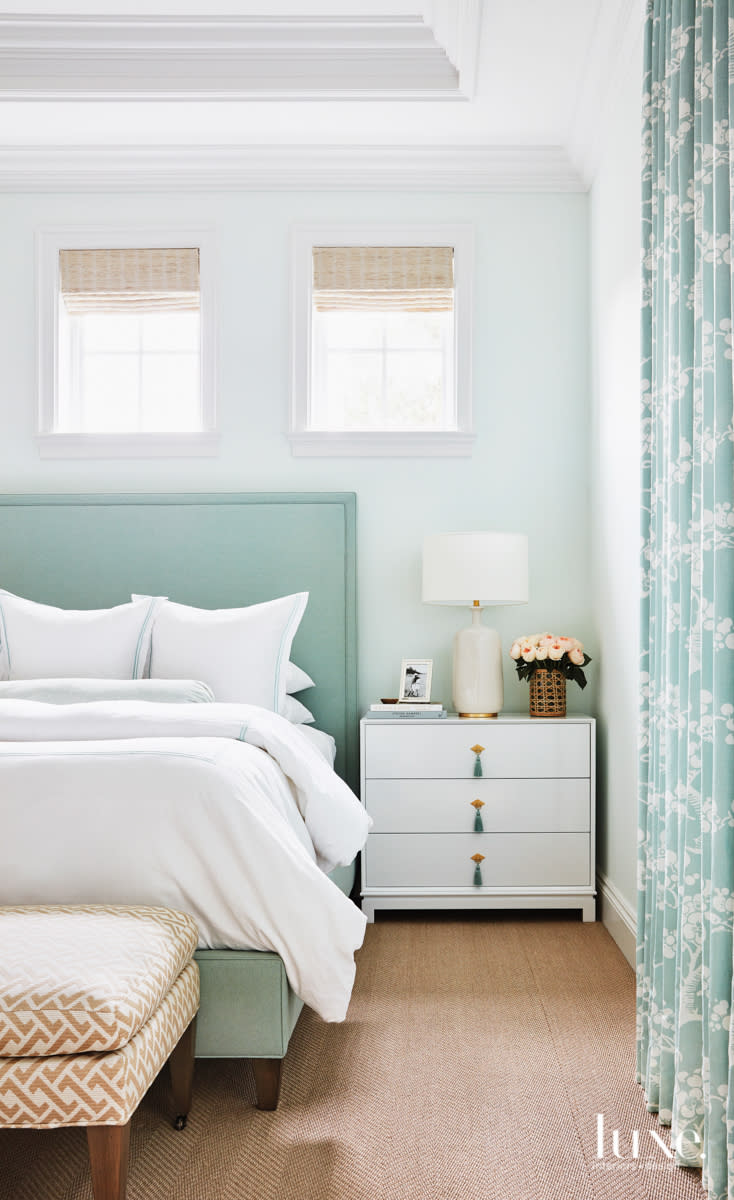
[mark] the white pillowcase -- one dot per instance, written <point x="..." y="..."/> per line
<point x="241" y="653"/>
<point x="39" y="641"/>
<point x="296" y="679"/>
<point x="90" y="691"/>
<point x="295" y="712"/>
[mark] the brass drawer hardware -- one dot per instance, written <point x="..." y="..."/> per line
<point x="477" y="859"/>
<point x="476" y="751"/>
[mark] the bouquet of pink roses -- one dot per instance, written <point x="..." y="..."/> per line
<point x="549" y="652"/>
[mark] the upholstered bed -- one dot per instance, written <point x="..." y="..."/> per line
<point x="213" y="551"/>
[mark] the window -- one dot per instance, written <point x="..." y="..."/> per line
<point x="381" y="341"/>
<point x="126" y="353"/>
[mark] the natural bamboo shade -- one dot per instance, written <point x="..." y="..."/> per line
<point x="120" y="281"/>
<point x="397" y="278"/>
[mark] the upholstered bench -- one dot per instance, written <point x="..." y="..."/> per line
<point x="93" y="1000"/>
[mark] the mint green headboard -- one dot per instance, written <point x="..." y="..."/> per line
<point x="212" y="550"/>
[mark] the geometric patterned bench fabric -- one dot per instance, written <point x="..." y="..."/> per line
<point x="97" y="1089"/>
<point x="85" y="978"/>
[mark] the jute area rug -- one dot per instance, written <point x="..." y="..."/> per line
<point x="477" y="1059"/>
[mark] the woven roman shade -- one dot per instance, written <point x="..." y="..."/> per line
<point x="120" y="281"/>
<point x="396" y="278"/>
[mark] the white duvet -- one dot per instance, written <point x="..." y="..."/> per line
<point x="226" y="811"/>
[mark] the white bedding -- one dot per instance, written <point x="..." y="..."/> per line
<point x="134" y="802"/>
<point x="323" y="742"/>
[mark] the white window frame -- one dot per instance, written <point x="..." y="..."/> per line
<point x="54" y="444"/>
<point x="440" y="442"/>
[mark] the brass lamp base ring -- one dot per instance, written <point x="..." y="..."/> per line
<point x="479" y="716"/>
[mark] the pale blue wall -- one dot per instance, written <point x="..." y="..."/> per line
<point x="530" y="468"/>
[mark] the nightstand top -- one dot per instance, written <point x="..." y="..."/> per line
<point x="505" y="718"/>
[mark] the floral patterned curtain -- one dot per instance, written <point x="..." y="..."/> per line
<point x="686" y="899"/>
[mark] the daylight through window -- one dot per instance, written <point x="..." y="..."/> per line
<point x="382" y="325"/>
<point x="129" y="341"/>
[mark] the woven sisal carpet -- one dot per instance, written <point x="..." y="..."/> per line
<point x="476" y="1056"/>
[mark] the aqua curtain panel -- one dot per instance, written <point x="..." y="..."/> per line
<point x="686" y="873"/>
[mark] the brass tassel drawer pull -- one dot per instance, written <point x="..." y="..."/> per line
<point x="476" y="751"/>
<point x="477" y="859"/>
<point x="478" y="805"/>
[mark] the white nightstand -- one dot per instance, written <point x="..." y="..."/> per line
<point x="534" y="797"/>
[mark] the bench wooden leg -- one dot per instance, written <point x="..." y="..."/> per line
<point x="109" y="1150"/>
<point x="267" y="1082"/>
<point x="181" y="1066"/>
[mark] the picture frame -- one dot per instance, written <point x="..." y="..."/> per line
<point x="415" y="681"/>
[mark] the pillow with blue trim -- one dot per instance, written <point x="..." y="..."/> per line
<point x="241" y="653"/>
<point x="89" y="691"/>
<point x="39" y="641"/>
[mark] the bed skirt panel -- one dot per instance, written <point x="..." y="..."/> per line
<point x="248" y="1008"/>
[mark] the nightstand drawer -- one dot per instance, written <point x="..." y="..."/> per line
<point x="510" y="860"/>
<point x="434" y="750"/>
<point x="509" y="805"/>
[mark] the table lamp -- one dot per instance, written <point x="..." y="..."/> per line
<point x="476" y="569"/>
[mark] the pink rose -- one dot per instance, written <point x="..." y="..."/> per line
<point x="528" y="653"/>
<point x="556" y="651"/>
<point x="541" y="652"/>
<point x="515" y="650"/>
<point x="576" y="656"/>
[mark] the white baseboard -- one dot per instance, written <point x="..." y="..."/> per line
<point x="618" y="917"/>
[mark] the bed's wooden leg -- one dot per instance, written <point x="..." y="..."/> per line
<point x="181" y="1066"/>
<point x="109" y="1149"/>
<point x="267" y="1082"/>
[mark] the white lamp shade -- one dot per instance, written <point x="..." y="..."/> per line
<point x="459" y="568"/>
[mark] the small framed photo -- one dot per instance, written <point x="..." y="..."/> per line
<point x="415" y="681"/>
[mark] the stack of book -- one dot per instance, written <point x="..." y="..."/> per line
<point x="407" y="710"/>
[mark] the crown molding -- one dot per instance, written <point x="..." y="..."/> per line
<point x="235" y="57"/>
<point x="457" y="26"/>
<point x="617" y="30"/>
<point x="286" y="168"/>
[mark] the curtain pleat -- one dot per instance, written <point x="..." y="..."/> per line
<point x="686" y="846"/>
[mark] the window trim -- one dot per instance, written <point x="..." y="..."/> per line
<point x="53" y="443"/>
<point x="308" y="442"/>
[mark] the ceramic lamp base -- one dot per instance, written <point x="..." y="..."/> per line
<point x="478" y="690"/>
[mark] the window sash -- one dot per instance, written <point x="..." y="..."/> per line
<point x="72" y="412"/>
<point x="324" y="417"/>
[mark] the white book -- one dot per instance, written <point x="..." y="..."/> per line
<point x="391" y="715"/>
<point x="407" y="706"/>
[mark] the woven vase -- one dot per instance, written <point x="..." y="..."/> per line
<point x="547" y="694"/>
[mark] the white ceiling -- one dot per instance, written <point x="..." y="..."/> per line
<point x="502" y="82"/>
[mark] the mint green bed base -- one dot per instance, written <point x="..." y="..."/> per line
<point x="248" y="1008"/>
<point x="215" y="551"/>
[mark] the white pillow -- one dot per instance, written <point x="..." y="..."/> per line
<point x="296" y="679"/>
<point x="89" y="691"/>
<point x="241" y="653"/>
<point x="38" y="641"/>
<point x="295" y="712"/>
